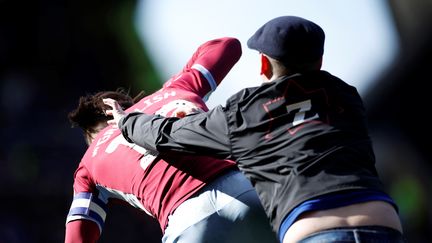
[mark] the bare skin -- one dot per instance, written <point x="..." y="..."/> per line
<point x="375" y="213"/>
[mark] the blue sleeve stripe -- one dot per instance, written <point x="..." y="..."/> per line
<point x="79" y="211"/>
<point x="209" y="77"/>
<point x="83" y="213"/>
<point x="85" y="206"/>
<point x="98" y="222"/>
<point x="97" y="209"/>
<point x="82" y="207"/>
<point x="84" y="195"/>
<point x="85" y="198"/>
<point x="100" y="203"/>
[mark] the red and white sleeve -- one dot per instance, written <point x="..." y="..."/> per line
<point x="208" y="66"/>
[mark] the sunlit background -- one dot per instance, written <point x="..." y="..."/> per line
<point x="54" y="51"/>
<point x="361" y="38"/>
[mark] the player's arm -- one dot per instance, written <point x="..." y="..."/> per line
<point x="84" y="231"/>
<point x="202" y="133"/>
<point x="208" y="66"/>
<point x="86" y="218"/>
<point x="87" y="213"/>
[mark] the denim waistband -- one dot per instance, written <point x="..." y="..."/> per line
<point x="378" y="234"/>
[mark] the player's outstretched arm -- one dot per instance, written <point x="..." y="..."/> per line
<point x="207" y="67"/>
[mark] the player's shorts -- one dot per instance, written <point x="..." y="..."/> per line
<point x="226" y="210"/>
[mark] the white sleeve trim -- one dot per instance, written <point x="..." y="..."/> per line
<point x="206" y="73"/>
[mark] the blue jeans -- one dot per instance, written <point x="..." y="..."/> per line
<point x="369" y="234"/>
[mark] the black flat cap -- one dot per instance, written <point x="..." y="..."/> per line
<point x="289" y="39"/>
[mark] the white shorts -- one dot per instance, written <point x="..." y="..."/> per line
<point x="225" y="210"/>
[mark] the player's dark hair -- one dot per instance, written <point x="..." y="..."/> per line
<point x="91" y="110"/>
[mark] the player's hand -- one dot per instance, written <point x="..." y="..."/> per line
<point x="117" y="112"/>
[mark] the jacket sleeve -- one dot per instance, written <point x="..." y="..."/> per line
<point x="204" y="133"/>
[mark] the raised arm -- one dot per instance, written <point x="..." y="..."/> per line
<point x="207" y="67"/>
<point x="204" y="133"/>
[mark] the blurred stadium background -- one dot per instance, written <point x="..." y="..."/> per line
<point x="52" y="52"/>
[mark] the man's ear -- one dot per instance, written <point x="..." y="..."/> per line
<point x="266" y="67"/>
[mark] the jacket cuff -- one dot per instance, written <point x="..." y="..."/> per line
<point x="124" y="128"/>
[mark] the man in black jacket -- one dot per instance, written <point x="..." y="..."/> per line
<point x="301" y="138"/>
